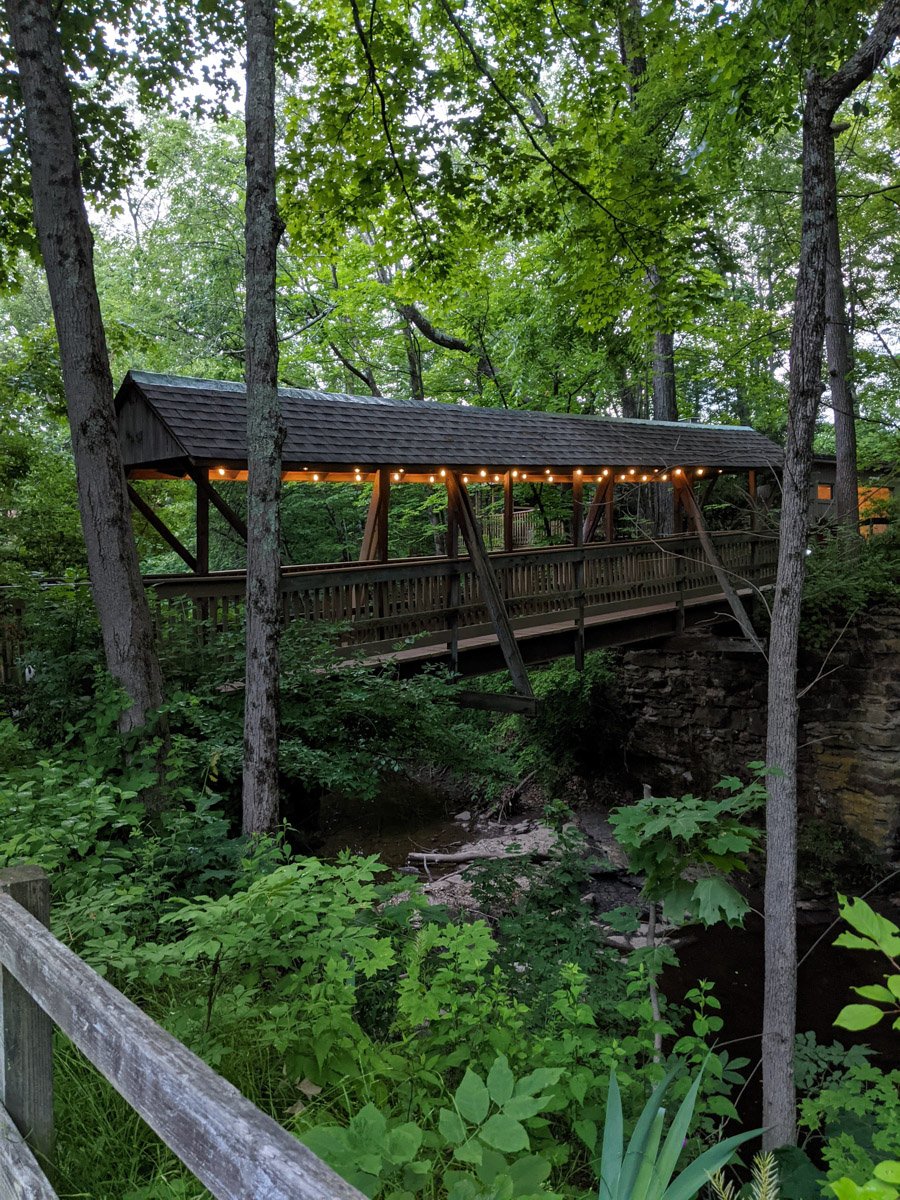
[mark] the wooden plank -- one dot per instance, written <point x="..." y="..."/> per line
<point x="689" y="502"/>
<point x="496" y="702"/>
<point x="458" y="499"/>
<point x="21" y="1177"/>
<point x="155" y="520"/>
<point x="508" y="541"/>
<point x="235" y="1150"/>
<point x="26" y="1053"/>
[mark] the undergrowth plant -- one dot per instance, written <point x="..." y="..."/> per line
<point x="687" y="847"/>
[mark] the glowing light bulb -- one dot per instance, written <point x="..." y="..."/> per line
<point x="578" y="472"/>
<point x="699" y="471"/>
<point x="443" y="472"/>
<point x="221" y="470"/>
<point x="546" y="470"/>
<point x="396" y="476"/>
<point x="515" y="474"/>
<point x="524" y="474"/>
<point x="644" y="478"/>
<point x="677" y="471"/>
<point x="431" y="479"/>
<point x="482" y="473"/>
<point x="358" y="477"/>
<point x="632" y="471"/>
<point x="549" y="478"/>
<point x="496" y="479"/>
<point x="315" y="478"/>
<point x="605" y="471"/>
<point x="664" y="478"/>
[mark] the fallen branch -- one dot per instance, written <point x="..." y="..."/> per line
<point x="474" y="855"/>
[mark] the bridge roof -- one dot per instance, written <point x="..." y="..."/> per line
<point x="167" y="422"/>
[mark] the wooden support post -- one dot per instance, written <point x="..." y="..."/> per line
<point x="205" y="488"/>
<point x="490" y="588"/>
<point x="609" y="512"/>
<point x="578" y="569"/>
<point x="453" y="589"/>
<point x="689" y="501"/>
<point x="507" y="512"/>
<point x="26" y="1053"/>
<point x="202" y="545"/>
<point x="156" y="522"/>
<point x="375" y="537"/>
<point x="602" y="496"/>
<point x="754" y="510"/>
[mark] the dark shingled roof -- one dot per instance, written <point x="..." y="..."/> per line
<point x="166" y="419"/>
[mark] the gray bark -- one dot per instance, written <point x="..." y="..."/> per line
<point x="66" y="245"/>
<point x="838" y="350"/>
<point x="265" y="430"/>
<point x="807" y="335"/>
<point x="664" y="405"/>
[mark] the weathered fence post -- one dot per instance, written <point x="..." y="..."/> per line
<point x="26" y="1032"/>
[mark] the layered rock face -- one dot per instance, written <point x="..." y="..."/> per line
<point x="696" y="715"/>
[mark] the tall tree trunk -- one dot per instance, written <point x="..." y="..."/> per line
<point x="66" y="245"/>
<point x="839" y="354"/>
<point x="665" y="407"/>
<point x="265" y="430"/>
<point x="823" y="97"/>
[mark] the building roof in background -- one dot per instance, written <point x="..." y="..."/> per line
<point x="167" y="422"/>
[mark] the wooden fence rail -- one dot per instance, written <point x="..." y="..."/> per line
<point x="234" y="1149"/>
<point x="436" y="599"/>
<point x="439" y="600"/>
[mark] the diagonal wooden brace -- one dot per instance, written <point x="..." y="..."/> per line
<point x="461" y="508"/>
<point x="692" y="508"/>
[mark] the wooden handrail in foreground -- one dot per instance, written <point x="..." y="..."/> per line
<point x="234" y="1149"/>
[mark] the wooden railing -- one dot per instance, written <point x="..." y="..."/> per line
<point x="236" y="1151"/>
<point x="434" y="599"/>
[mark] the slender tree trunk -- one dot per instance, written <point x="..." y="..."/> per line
<point x="66" y="245"/>
<point x="265" y="430"/>
<point x="823" y="99"/>
<point x="839" y="354"/>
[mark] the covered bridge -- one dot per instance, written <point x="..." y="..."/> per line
<point x="180" y="428"/>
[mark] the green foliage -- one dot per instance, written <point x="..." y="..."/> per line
<point x="345" y="727"/>
<point x="873" y="932"/>
<point x="840" y="585"/>
<point x="857" y="1118"/>
<point x="577" y="727"/>
<point x="479" y="1147"/>
<point x="542" y="921"/>
<point x="644" y="1170"/>
<point x="665" y="837"/>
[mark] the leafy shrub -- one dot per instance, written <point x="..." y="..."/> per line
<point x="839" y="585"/>
<point x="346" y="727"/>
<point x="577" y="727"/>
<point x="664" y="837"/>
